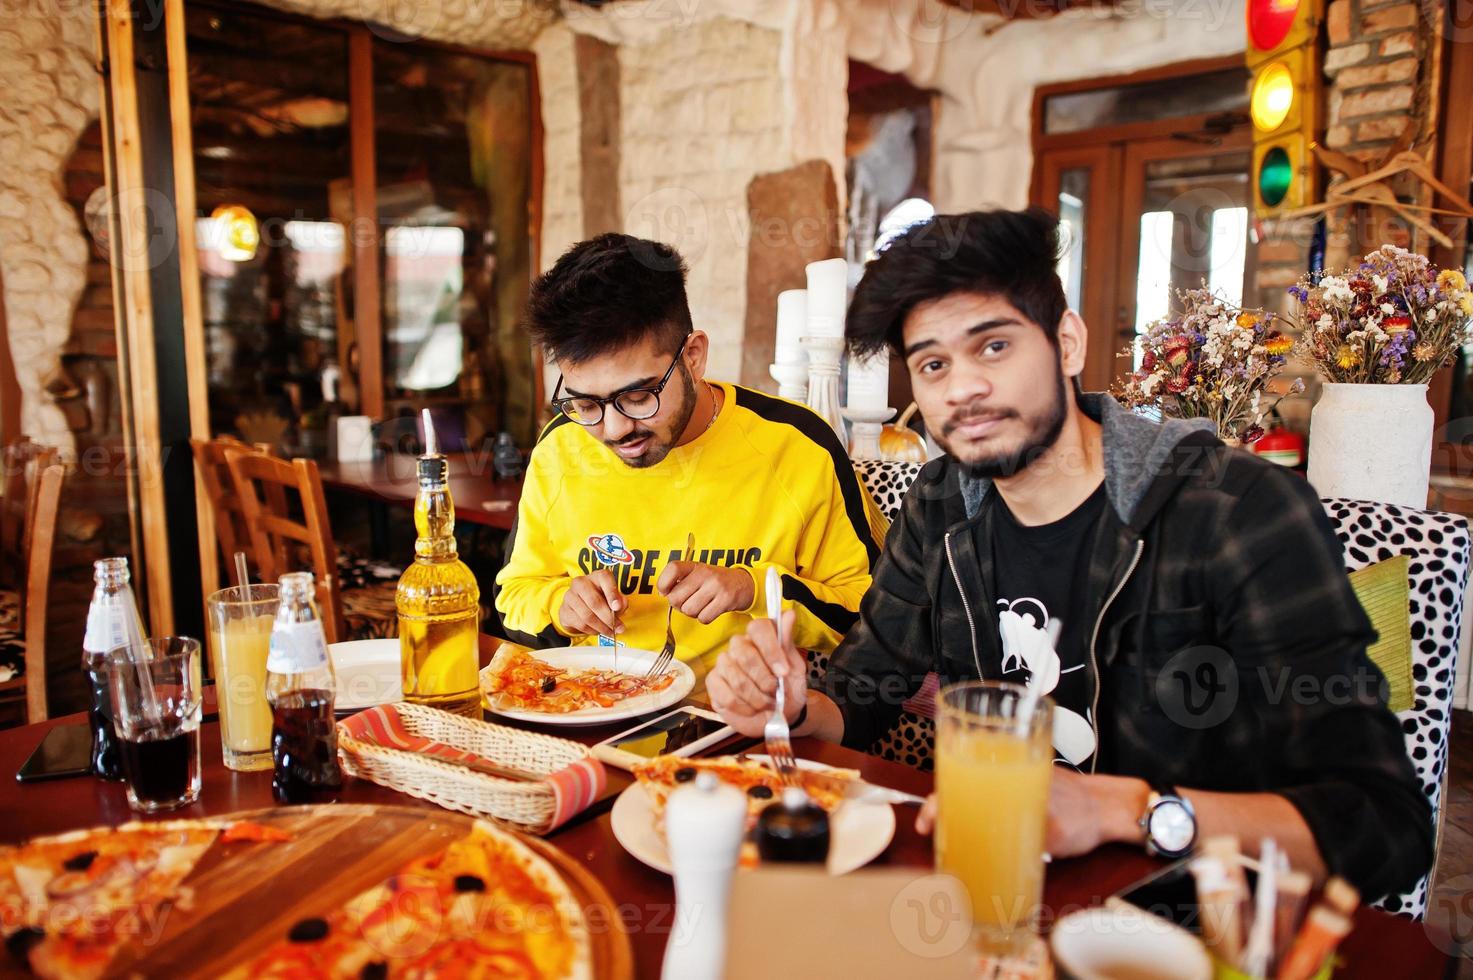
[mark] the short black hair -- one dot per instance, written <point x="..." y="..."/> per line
<point x="607" y="294"/>
<point x="1012" y="254"/>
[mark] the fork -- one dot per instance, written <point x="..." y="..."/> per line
<point x="775" y="733"/>
<point x="667" y="652"/>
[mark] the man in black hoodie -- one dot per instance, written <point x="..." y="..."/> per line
<point x="1208" y="642"/>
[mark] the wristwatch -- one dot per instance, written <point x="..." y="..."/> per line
<point x="1169" y="823"/>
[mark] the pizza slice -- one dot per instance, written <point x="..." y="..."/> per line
<point x="516" y="680"/>
<point x="486" y="906"/>
<point x="762" y="785"/>
<point x="69" y="903"/>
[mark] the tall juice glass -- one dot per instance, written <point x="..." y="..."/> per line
<point x="240" y="637"/>
<point x="994" y="756"/>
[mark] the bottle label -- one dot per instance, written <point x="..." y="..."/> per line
<point x="297" y="648"/>
<point x="107" y="629"/>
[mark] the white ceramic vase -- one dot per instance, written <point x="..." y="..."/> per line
<point x="1372" y="442"/>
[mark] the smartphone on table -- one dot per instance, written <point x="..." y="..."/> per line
<point x="683" y="732"/>
<point x="65" y="751"/>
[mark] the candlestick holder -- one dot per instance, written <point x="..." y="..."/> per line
<point x="823" y="380"/>
<point x="792" y="380"/>
<point x="866" y="425"/>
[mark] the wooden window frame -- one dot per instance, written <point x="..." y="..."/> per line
<point x="1455" y="169"/>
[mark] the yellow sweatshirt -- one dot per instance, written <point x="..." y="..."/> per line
<point x="767" y="484"/>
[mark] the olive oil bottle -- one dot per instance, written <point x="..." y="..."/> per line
<point x="438" y="600"/>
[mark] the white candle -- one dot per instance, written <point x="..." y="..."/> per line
<point x="792" y="324"/>
<point x="869" y="382"/>
<point x="828" y="296"/>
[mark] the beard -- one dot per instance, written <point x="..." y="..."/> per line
<point x="661" y="442"/>
<point x="1043" y="428"/>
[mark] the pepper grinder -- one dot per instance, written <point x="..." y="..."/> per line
<point x="704" y="824"/>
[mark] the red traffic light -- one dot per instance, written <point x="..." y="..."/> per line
<point x="1269" y="22"/>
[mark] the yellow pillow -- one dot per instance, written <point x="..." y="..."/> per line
<point x="1384" y="592"/>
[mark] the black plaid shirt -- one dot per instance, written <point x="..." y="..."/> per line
<point x="1231" y="649"/>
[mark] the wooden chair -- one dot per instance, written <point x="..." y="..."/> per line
<point x="279" y="540"/>
<point x="21" y="460"/>
<point x="355" y="596"/>
<point x="23" y="638"/>
<point x="231" y="532"/>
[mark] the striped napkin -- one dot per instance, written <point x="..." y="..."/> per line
<point x="574" y="787"/>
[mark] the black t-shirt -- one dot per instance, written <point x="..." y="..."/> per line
<point x="1040" y="573"/>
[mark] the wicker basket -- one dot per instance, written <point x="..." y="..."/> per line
<point x="530" y="806"/>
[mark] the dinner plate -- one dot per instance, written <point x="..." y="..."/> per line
<point x="859" y="832"/>
<point x="367" y="672"/>
<point x="631" y="661"/>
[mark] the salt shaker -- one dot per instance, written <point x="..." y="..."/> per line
<point x="704" y="824"/>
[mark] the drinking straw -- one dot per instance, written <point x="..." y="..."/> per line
<point x="242" y="575"/>
<point x="1028" y="703"/>
<point x="1322" y="932"/>
<point x="1265" y="900"/>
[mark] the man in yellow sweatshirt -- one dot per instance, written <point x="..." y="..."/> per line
<point x="644" y="452"/>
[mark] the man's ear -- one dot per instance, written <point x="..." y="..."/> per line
<point x="697" y="347"/>
<point x="1073" y="337"/>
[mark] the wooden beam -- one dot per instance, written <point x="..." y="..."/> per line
<point x="9" y="385"/>
<point x="364" y="235"/>
<point x="151" y="564"/>
<point x="194" y="326"/>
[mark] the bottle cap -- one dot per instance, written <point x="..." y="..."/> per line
<point x="432" y="469"/>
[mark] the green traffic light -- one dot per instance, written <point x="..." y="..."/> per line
<point x="1275" y="174"/>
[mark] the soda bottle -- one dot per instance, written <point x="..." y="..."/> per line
<point x="300" y="686"/>
<point x="112" y="623"/>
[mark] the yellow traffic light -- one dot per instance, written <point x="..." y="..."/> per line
<point x="1272" y="98"/>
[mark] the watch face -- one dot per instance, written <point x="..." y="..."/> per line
<point x="1172" y="827"/>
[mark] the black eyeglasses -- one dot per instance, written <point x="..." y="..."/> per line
<point x="632" y="403"/>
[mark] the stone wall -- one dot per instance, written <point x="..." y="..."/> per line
<point x="48" y="95"/>
<point x="702" y="115"/>
<point x="986" y="70"/>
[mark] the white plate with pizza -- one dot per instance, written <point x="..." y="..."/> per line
<point x="859" y="830"/>
<point x="580" y="685"/>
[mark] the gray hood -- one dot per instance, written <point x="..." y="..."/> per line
<point x="1135" y="448"/>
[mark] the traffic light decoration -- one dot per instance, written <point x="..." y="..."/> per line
<point x="1284" y="102"/>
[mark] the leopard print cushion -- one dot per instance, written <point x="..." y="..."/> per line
<point x="1439" y="547"/>
<point x="12" y="654"/>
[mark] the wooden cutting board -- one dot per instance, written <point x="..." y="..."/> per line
<point x="246" y="896"/>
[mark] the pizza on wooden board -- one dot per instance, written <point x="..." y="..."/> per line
<point x="68" y="903"/>
<point x="486" y="906"/>
<point x="516" y="680"/>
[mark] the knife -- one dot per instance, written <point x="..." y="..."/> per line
<point x="859" y="790"/>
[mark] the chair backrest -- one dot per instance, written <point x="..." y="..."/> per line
<point x="1438" y="546"/>
<point x="40" y="543"/>
<point x="887" y="482"/>
<point x="231" y="532"/>
<point x="262" y="482"/>
<point x="23" y="462"/>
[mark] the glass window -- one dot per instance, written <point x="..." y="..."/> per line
<point x="1163" y="98"/>
<point x="1073" y="193"/>
<point x="269" y="109"/>
<point x="452" y="147"/>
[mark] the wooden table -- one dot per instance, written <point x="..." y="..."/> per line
<point x="480" y="497"/>
<point x="1381" y="945"/>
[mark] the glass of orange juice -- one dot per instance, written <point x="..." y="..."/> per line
<point x="994" y="756"/>
<point x="240" y="637"/>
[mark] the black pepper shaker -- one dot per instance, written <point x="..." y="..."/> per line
<point x="793" y="829"/>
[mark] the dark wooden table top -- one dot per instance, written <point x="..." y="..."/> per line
<point x="1381" y="945"/>
<point x="480" y="497"/>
